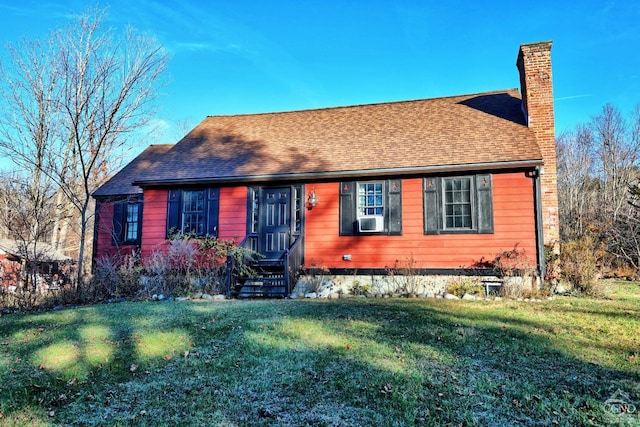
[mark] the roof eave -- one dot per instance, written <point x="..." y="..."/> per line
<point x="314" y="176"/>
<point x="111" y="195"/>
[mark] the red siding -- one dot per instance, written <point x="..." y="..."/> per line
<point x="104" y="242"/>
<point x="154" y="220"/>
<point x="513" y="224"/>
<point x="232" y="223"/>
<point x="232" y="218"/>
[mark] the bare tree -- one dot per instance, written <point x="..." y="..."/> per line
<point x="576" y="183"/>
<point x="75" y="102"/>
<point x="26" y="220"/>
<point x="598" y="183"/>
<point x="618" y="155"/>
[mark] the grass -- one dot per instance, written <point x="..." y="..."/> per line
<point x="345" y="362"/>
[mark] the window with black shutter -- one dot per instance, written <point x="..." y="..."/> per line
<point x="371" y="207"/>
<point x="193" y="211"/>
<point x="127" y="222"/>
<point x="459" y="204"/>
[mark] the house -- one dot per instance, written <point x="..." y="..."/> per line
<point x="443" y="182"/>
<point x="36" y="264"/>
<point x="119" y="208"/>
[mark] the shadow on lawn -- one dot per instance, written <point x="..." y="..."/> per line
<point x="512" y="361"/>
<point x="56" y="358"/>
<point x="301" y="362"/>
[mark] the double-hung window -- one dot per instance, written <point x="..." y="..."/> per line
<point x="459" y="204"/>
<point x="132" y="222"/>
<point x="371" y="207"/>
<point x="193" y="211"/>
<point x="127" y="220"/>
<point x="370" y="199"/>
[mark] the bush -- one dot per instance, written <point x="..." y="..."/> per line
<point x="553" y="271"/>
<point x="116" y="276"/>
<point x="358" y="288"/>
<point x="514" y="262"/>
<point x="579" y="263"/>
<point x="464" y="286"/>
<point x="188" y="265"/>
<point x="314" y="276"/>
<point x="404" y="276"/>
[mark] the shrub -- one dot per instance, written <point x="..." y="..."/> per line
<point x="464" y="286"/>
<point x="553" y="272"/>
<point x="404" y="276"/>
<point x="313" y="276"/>
<point x="195" y="264"/>
<point x="514" y="262"/>
<point x="188" y="265"/>
<point x="358" y="288"/>
<point x="518" y="271"/>
<point x="579" y="262"/>
<point x="116" y="276"/>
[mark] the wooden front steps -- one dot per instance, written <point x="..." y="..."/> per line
<point x="268" y="280"/>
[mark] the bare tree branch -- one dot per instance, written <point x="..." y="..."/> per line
<point x="77" y="102"/>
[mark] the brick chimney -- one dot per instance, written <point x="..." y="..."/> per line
<point x="534" y="65"/>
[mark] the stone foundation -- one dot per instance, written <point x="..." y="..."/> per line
<point x="334" y="286"/>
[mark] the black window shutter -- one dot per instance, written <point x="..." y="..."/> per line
<point x="118" y="223"/>
<point x="395" y="207"/>
<point x="485" y="203"/>
<point x="213" y="208"/>
<point x="432" y="188"/>
<point x="347" y="208"/>
<point x="173" y="213"/>
<point x="139" y="234"/>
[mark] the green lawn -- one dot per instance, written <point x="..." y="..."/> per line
<point x="340" y="362"/>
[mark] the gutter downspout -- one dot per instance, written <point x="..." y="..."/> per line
<point x="537" y="207"/>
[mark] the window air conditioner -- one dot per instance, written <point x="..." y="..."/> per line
<point x="371" y="224"/>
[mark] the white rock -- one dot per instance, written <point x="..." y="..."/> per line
<point x="311" y="295"/>
<point x="450" y="296"/>
<point x="219" y="297"/>
<point x="206" y="296"/>
<point x="469" y="297"/>
<point x="324" y="293"/>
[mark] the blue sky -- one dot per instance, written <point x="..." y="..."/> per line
<point x="241" y="56"/>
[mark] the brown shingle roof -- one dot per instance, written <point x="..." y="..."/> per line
<point x="120" y="183"/>
<point x="453" y="132"/>
<point x="34" y="251"/>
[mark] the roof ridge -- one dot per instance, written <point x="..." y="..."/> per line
<point x="362" y="105"/>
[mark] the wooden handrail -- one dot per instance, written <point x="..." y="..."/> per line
<point x="293" y="260"/>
